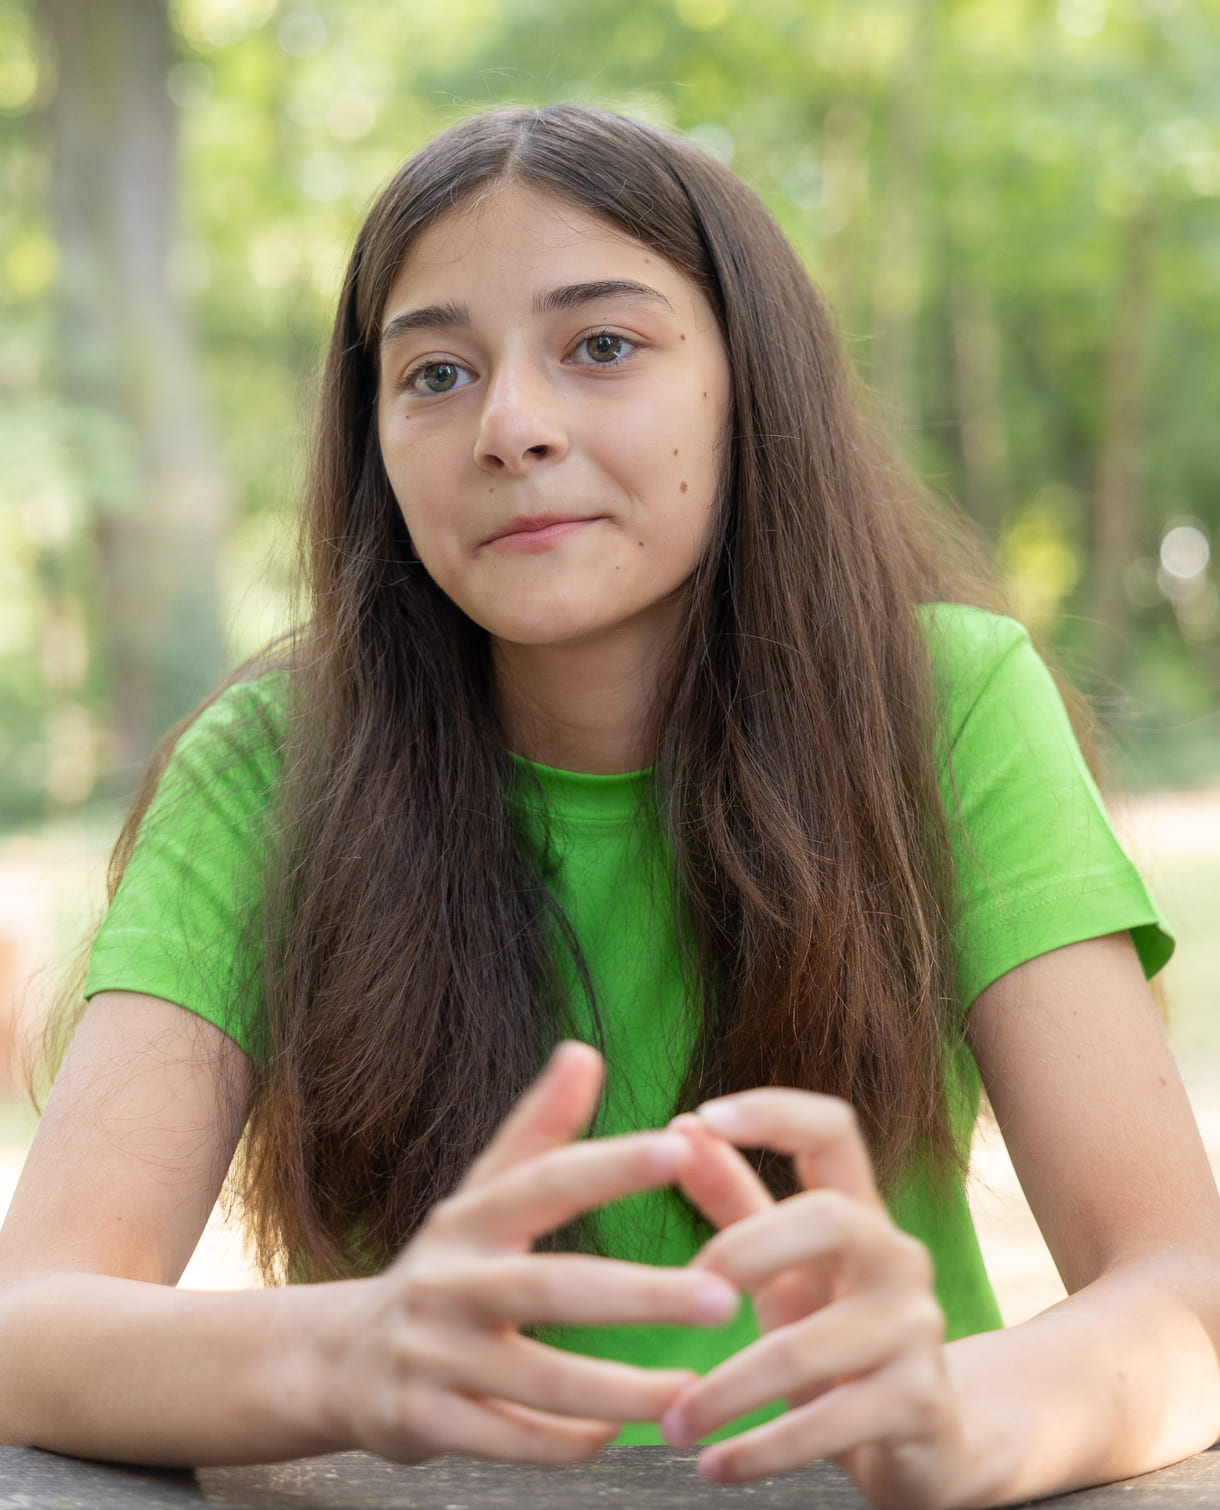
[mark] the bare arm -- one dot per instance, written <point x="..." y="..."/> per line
<point x="1122" y="1376"/>
<point x="100" y="1357"/>
<point x="1118" y="1379"/>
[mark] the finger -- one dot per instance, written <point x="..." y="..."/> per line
<point x="793" y="1294"/>
<point x="718" y="1180"/>
<point x="576" y="1289"/>
<point x="552" y="1112"/>
<point x="820" y="1132"/>
<point x="486" y="1428"/>
<point x="535" y="1197"/>
<point x="821" y="1227"/>
<point x="797" y="1363"/>
<point x="905" y="1404"/>
<point x="541" y="1377"/>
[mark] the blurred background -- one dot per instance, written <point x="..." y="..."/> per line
<point x="1014" y="208"/>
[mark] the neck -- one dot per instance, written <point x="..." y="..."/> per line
<point x="580" y="707"/>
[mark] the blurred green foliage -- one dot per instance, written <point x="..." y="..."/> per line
<point x="1187" y="891"/>
<point x="959" y="175"/>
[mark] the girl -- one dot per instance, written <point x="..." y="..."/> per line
<point x="638" y="707"/>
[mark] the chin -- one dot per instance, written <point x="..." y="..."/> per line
<point x="541" y="624"/>
<point x="543" y="636"/>
<point x="540" y="630"/>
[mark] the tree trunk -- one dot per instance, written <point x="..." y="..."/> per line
<point x="1117" y="495"/>
<point x="901" y="228"/>
<point x="980" y="403"/>
<point x="154" y="492"/>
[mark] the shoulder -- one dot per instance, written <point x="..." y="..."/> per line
<point x="963" y="639"/>
<point x="969" y="646"/>
<point x="238" y="736"/>
<point x="1036" y="862"/>
<point x="984" y="668"/>
<point x="248" y="714"/>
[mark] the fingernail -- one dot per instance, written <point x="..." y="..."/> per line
<point x="673" y="1429"/>
<point x="723" y="1116"/>
<point x="712" y="1465"/>
<point x="569" y="1048"/>
<point x="716" y="1301"/>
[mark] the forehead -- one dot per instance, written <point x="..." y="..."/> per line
<point x="514" y="241"/>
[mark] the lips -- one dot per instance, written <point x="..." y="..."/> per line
<point x="537" y="531"/>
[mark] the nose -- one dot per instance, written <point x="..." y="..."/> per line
<point x="521" y="423"/>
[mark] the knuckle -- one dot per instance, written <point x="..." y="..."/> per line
<point x="842" y="1119"/>
<point x="928" y="1321"/>
<point x="914" y="1403"/>
<point x="580" y="1446"/>
<point x="442" y="1285"/>
<point x="429" y="1287"/>
<point x="449" y="1214"/>
<point x="914" y="1260"/>
<point x="920" y="1411"/>
<point x="400" y="1345"/>
<point x="789" y="1351"/>
<point x="831" y="1213"/>
<point x="419" y="1353"/>
<point x="416" y="1417"/>
<point x="551" y="1179"/>
<point x="393" y="1418"/>
<point x="526" y="1288"/>
<point x="545" y="1376"/>
<point x="673" y="1292"/>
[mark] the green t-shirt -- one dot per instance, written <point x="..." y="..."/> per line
<point x="1038" y="867"/>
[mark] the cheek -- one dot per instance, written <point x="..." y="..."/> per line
<point x="417" y="484"/>
<point x="700" y="441"/>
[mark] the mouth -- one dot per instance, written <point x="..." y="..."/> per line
<point x="536" y="532"/>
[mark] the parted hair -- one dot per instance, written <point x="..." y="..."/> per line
<point x="410" y="941"/>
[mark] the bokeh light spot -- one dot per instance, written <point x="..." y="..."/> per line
<point x="301" y="33"/>
<point x="1082" y="18"/>
<point x="1185" y="551"/>
<point x="703" y="15"/>
<point x="30" y="263"/>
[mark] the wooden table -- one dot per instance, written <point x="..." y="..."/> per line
<point x="635" y="1478"/>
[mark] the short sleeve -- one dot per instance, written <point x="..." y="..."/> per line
<point x="185" y="922"/>
<point x="1037" y="862"/>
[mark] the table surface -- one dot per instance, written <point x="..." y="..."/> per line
<point x="653" y="1477"/>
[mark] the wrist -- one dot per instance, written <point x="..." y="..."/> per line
<point x="991" y="1443"/>
<point x="315" y="1382"/>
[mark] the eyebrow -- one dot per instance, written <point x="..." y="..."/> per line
<point x="555" y="300"/>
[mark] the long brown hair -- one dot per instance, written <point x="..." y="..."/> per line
<point x="410" y="984"/>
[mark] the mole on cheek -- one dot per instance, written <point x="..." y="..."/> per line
<point x="640" y="543"/>
<point x="682" y="489"/>
<point x="675" y="450"/>
<point x="681" y="337"/>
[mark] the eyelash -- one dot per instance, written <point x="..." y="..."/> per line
<point x="416" y="374"/>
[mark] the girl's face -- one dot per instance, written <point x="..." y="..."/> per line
<point x="553" y="404"/>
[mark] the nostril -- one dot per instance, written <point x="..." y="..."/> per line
<point x="537" y="450"/>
